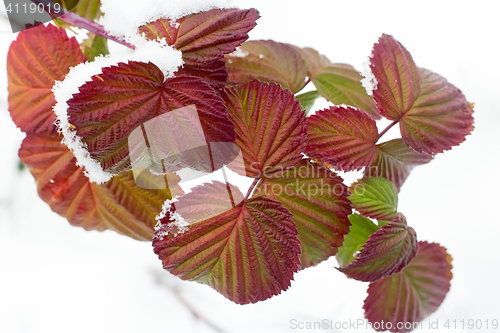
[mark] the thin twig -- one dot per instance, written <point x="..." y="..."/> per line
<point x="388" y="128"/>
<point x="186" y="304"/>
<point x="250" y="189"/>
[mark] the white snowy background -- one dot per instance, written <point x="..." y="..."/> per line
<point x="57" y="278"/>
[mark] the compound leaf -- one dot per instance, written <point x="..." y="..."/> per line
<point x="411" y="295"/>
<point x="248" y="253"/>
<point x="39" y="57"/>
<point x="375" y="197"/>
<point x="387" y="251"/>
<point x="270" y="127"/>
<point x="342" y="136"/>
<point x="317" y="198"/>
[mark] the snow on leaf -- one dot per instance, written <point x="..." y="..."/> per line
<point x="414" y="293"/>
<point x="248" y="253"/>
<point x="387" y="251"/>
<point x="341" y="84"/>
<point x="317" y="198"/>
<point x="375" y="197"/>
<point x="270" y="127"/>
<point x="342" y="136"/>
<point x="109" y="108"/>
<point x="361" y="228"/>
<point x="38" y="58"/>
<point x="204" y="38"/>
<point x="268" y="61"/>
<point x="118" y="205"/>
<point x="394" y="161"/>
<point x="440" y="118"/>
<point x="398" y="78"/>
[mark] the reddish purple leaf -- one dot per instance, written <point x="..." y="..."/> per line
<point x="387" y="251"/>
<point x="118" y="205"/>
<point x="270" y="127"/>
<point x="247" y="253"/>
<point x="413" y="294"/>
<point x="38" y="58"/>
<point x="268" y="61"/>
<point x="107" y="110"/>
<point x="204" y="38"/>
<point x="394" y="161"/>
<point x="342" y="136"/>
<point x="440" y="118"/>
<point x="398" y="79"/>
<point x="317" y="198"/>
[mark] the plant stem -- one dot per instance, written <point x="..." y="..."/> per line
<point x="81" y="22"/>
<point x="250" y="189"/>
<point x="307" y="82"/>
<point x="387" y="128"/>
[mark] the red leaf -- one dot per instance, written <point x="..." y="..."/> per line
<point x="440" y="118"/>
<point x="394" y="161"/>
<point x="398" y="79"/>
<point x="317" y="198"/>
<point x="267" y="61"/>
<point x="107" y="110"/>
<point x="387" y="251"/>
<point x="248" y="253"/>
<point x="342" y="136"/>
<point x="204" y="38"/>
<point x="270" y="127"/>
<point x="117" y="205"/>
<point x="413" y="294"/>
<point x="38" y="58"/>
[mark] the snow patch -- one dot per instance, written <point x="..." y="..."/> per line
<point x="123" y="17"/>
<point x="369" y="81"/>
<point x="239" y="53"/>
<point x="177" y="223"/>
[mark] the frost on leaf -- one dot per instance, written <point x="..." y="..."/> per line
<point x="394" y="162"/>
<point x="414" y="293"/>
<point x="268" y="61"/>
<point x="204" y="38"/>
<point x="36" y="60"/>
<point x="249" y="253"/>
<point x="118" y="205"/>
<point x="375" y="197"/>
<point x="342" y="136"/>
<point x="270" y="127"/>
<point x="387" y="251"/>
<point x="317" y="198"/>
<point x="108" y="109"/>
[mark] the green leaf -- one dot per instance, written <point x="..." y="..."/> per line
<point x="270" y="127"/>
<point x="315" y="62"/>
<point x="118" y="205"/>
<point x="341" y="84"/>
<point x="267" y="61"/>
<point x="307" y="100"/>
<point x="387" y="251"/>
<point x="413" y="294"/>
<point x="317" y="198"/>
<point x="248" y="253"/>
<point x="95" y="46"/>
<point x="342" y="136"/>
<point x="375" y="197"/>
<point x="36" y="60"/>
<point x="90" y="9"/>
<point x="361" y="228"/>
<point x="394" y="162"/>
